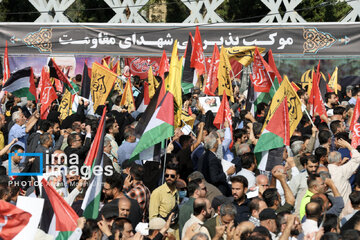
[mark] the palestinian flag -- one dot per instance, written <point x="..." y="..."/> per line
<point x="189" y="77"/>
<point x="159" y="127"/>
<point x="56" y="72"/>
<point x="12" y="220"/>
<point x="143" y="100"/>
<point x="66" y="218"/>
<point x="85" y="85"/>
<point x="275" y="135"/>
<point x="91" y="202"/>
<point x="21" y="84"/>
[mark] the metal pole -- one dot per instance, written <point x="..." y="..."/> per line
<point x="163" y="175"/>
<point x="303" y="107"/>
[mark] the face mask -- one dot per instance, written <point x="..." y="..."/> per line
<point x="182" y="194"/>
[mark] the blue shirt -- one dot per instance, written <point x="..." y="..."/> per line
<point x="228" y="155"/>
<point x="18" y="132"/>
<point x="125" y="150"/>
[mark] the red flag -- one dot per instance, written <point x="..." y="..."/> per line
<point x="56" y="72"/>
<point x="6" y="64"/>
<point x="197" y="56"/>
<point x="279" y="123"/>
<point x="106" y="60"/>
<point x="272" y="64"/>
<point x="260" y="77"/>
<point x="355" y="125"/>
<point x="12" y="220"/>
<point x="146" y="93"/>
<point x="212" y="81"/>
<point x="47" y="94"/>
<point x="296" y="88"/>
<point x="66" y="217"/>
<point x="161" y="94"/>
<point x="164" y="65"/>
<point x="96" y="143"/>
<point x="224" y="113"/>
<point x="316" y="101"/>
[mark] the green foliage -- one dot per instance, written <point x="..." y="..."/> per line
<point x="14" y="11"/>
<point x="229" y="11"/>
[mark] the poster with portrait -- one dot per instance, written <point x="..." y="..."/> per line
<point x="210" y="103"/>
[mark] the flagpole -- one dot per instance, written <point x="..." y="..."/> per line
<point x="307" y="114"/>
<point x="163" y="174"/>
<point x="272" y="83"/>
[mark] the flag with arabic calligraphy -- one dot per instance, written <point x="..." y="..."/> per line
<point x="333" y="82"/>
<point x="293" y="101"/>
<point x="316" y="101"/>
<point x="197" y="55"/>
<point x="223" y="75"/>
<point x="355" y="125"/>
<point x="164" y="66"/>
<point x="173" y="84"/>
<point x="127" y="99"/>
<point x="243" y="55"/>
<point x="65" y="105"/>
<point x="260" y="76"/>
<point x="151" y="83"/>
<point x="102" y="82"/>
<point x="211" y="81"/>
<point x="47" y="94"/>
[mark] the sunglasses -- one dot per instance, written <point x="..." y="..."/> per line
<point x="170" y="176"/>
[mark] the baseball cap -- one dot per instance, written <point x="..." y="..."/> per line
<point x="156" y="223"/>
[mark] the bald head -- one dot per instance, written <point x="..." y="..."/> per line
<point x="262" y="180"/>
<point x="324" y="202"/>
<point x="322" y="169"/>
<point x="313" y="211"/>
<point x="124" y="207"/>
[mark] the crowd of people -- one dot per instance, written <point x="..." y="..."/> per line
<point x="187" y="195"/>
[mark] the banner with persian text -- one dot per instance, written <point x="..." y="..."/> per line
<point x="291" y="40"/>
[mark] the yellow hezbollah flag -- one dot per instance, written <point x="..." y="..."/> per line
<point x="224" y="75"/>
<point x="243" y="55"/>
<point x="127" y="99"/>
<point x="173" y="84"/>
<point x="333" y="82"/>
<point x="293" y="101"/>
<point x="102" y="81"/>
<point x="173" y="67"/>
<point x="65" y="105"/>
<point x="188" y="119"/>
<point x="151" y="82"/>
<point x="306" y="80"/>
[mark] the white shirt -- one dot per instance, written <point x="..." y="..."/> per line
<point x="190" y="222"/>
<point x="250" y="176"/>
<point x="341" y="174"/>
<point x="309" y="226"/>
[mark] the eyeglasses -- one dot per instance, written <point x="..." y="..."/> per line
<point x="106" y="189"/>
<point x="170" y="176"/>
<point x="78" y="140"/>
